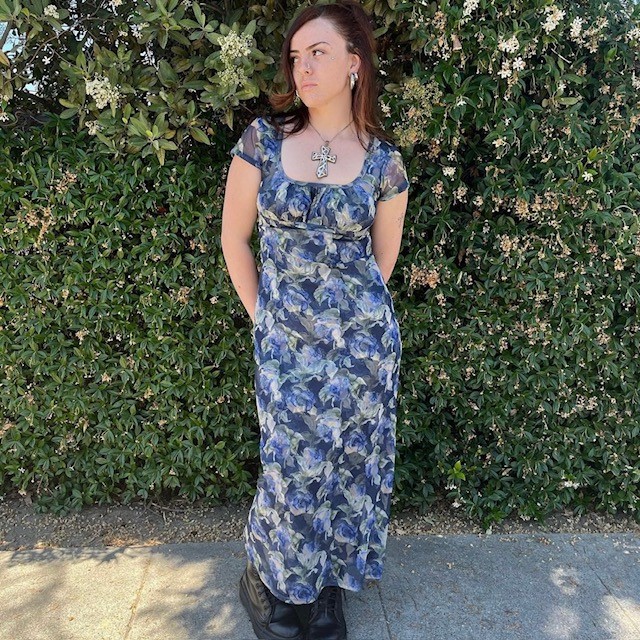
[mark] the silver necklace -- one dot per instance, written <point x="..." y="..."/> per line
<point x="324" y="156"/>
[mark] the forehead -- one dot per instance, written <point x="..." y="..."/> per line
<point x="314" y="31"/>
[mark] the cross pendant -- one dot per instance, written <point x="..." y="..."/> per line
<point x="324" y="157"/>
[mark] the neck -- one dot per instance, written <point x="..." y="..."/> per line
<point x="330" y="119"/>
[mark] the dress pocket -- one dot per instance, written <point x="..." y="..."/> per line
<point x="255" y="315"/>
<point x="382" y="282"/>
<point x="257" y="310"/>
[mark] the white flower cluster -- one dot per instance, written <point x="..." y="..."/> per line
<point x="576" y="28"/>
<point x="230" y="76"/>
<point x="505" y="72"/>
<point x="136" y="29"/>
<point x="459" y="195"/>
<point x="94" y="126"/>
<point x="554" y="15"/>
<point x="469" y="7"/>
<point x="450" y="172"/>
<point x="633" y="34"/>
<point x="115" y="4"/>
<point x="233" y="46"/>
<point x="102" y="91"/>
<point x="509" y="46"/>
<point x="51" y="11"/>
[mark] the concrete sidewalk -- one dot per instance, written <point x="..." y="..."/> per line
<point x="460" y="587"/>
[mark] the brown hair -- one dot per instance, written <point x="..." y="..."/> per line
<point x="355" y="26"/>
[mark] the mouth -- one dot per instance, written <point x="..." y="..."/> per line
<point x="308" y="85"/>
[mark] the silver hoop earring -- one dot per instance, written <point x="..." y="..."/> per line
<point x="354" y="77"/>
<point x="297" y="99"/>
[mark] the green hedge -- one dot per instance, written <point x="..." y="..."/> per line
<point x="127" y="354"/>
<point x="127" y="370"/>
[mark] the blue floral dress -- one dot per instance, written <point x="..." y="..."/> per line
<point x="327" y="351"/>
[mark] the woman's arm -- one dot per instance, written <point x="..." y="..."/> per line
<point x="239" y="214"/>
<point x="386" y="232"/>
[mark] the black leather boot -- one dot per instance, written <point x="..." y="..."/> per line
<point x="326" y="618"/>
<point x="271" y="618"/>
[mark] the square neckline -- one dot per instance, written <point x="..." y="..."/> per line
<point x="280" y="138"/>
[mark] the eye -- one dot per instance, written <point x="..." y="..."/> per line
<point x="318" y="50"/>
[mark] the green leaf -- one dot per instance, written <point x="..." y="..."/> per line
<point x="198" y="14"/>
<point x="167" y="75"/>
<point x="68" y="113"/>
<point x="199" y="135"/>
<point x="167" y="144"/>
<point x="250" y="29"/>
<point x="228" y="118"/>
<point x="6" y="15"/>
<point x="163" y="37"/>
<point x="569" y="100"/>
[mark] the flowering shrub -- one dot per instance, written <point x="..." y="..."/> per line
<point x="125" y="358"/>
<point x="133" y="76"/>
<point x="520" y="311"/>
<point x="516" y="287"/>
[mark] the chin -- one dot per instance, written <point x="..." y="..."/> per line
<point x="315" y="102"/>
<point x="311" y="103"/>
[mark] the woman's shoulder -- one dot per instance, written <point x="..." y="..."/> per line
<point x="259" y="123"/>
<point x="266" y="123"/>
<point x="387" y="146"/>
<point x="264" y="136"/>
<point x="386" y="152"/>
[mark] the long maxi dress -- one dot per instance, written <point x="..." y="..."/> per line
<point x="327" y="352"/>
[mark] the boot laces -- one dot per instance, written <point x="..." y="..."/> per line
<point x="271" y="599"/>
<point x="265" y="593"/>
<point x="328" y="599"/>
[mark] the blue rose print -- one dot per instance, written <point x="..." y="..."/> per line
<point x="327" y="351"/>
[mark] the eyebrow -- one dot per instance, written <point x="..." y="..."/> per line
<point x="309" y="47"/>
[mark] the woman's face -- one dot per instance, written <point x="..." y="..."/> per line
<point x="318" y="57"/>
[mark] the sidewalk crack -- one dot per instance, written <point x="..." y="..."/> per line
<point x="627" y="617"/>
<point x="136" y="601"/>
<point x="384" y="611"/>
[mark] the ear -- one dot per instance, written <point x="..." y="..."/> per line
<point x="355" y="62"/>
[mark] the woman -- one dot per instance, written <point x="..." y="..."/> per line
<point x="331" y="194"/>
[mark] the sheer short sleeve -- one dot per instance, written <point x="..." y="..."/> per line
<point x="394" y="177"/>
<point x="249" y="146"/>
